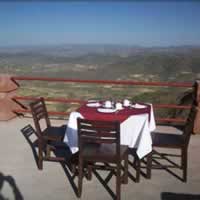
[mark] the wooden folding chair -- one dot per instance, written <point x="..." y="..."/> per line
<point x="50" y="138"/>
<point x="174" y="141"/>
<point x="99" y="142"/>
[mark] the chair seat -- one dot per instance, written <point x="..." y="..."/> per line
<point x="168" y="129"/>
<point x="55" y="131"/>
<point x="167" y="140"/>
<point x="103" y="151"/>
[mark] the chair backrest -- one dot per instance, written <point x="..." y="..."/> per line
<point x="188" y="129"/>
<point x="39" y="112"/>
<point x="190" y="122"/>
<point x="98" y="132"/>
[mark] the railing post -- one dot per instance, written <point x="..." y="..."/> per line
<point x="8" y="90"/>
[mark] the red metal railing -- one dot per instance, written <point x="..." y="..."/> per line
<point x="169" y="84"/>
<point x="63" y="100"/>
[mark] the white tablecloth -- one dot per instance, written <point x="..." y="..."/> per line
<point x="135" y="132"/>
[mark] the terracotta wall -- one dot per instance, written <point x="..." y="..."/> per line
<point x="196" y="129"/>
<point x="8" y="89"/>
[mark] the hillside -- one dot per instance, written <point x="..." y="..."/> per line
<point x="173" y="64"/>
<point x="159" y="64"/>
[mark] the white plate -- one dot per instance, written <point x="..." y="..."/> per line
<point x="138" y="106"/>
<point x="106" y="110"/>
<point x="93" y="104"/>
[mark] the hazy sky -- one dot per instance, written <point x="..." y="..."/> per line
<point x="144" y="23"/>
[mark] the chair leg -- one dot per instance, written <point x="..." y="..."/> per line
<point x="40" y="156"/>
<point x="80" y="177"/>
<point x="137" y="170"/>
<point x="184" y="163"/>
<point x="73" y="168"/>
<point x="125" y="176"/>
<point x="118" y="182"/>
<point x="136" y="164"/>
<point x="149" y="164"/>
<point x="89" y="172"/>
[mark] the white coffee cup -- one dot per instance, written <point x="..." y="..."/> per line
<point x="126" y="102"/>
<point x="108" y="104"/>
<point x="118" y="106"/>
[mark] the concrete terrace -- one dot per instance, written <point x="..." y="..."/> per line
<point x="16" y="159"/>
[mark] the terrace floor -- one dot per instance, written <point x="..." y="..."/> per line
<point x="16" y="160"/>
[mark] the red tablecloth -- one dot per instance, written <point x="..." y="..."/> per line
<point x="92" y="113"/>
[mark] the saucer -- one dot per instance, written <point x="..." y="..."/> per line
<point x="106" y="110"/>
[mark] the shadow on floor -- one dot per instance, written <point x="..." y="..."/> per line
<point x="71" y="177"/>
<point x="180" y="196"/>
<point x="166" y="157"/>
<point x="104" y="181"/>
<point x="11" y="181"/>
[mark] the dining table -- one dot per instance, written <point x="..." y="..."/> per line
<point x="136" y="124"/>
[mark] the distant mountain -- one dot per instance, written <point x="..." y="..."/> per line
<point x="75" y="50"/>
